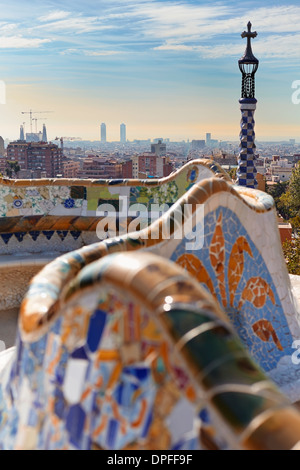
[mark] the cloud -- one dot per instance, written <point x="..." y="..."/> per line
<point x="212" y="30"/>
<point x="181" y="20"/>
<point x="77" y="25"/>
<point x="70" y="51"/>
<point x="102" y="53"/>
<point x="55" y="15"/>
<point x="8" y="27"/>
<point x="90" y="53"/>
<point x="273" y="46"/>
<point x="16" y="42"/>
<point x="208" y="35"/>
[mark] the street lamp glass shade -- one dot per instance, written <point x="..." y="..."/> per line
<point x="248" y="68"/>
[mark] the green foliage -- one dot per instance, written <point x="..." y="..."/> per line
<point x="232" y="173"/>
<point x="284" y="206"/>
<point x="291" y="251"/>
<point x="289" y="202"/>
<point x="12" y="167"/>
<point x="277" y="191"/>
<point x="294" y="189"/>
<point x="287" y="197"/>
<point x="295" y="222"/>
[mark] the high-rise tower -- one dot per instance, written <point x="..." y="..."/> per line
<point x="248" y="65"/>
<point x="44" y="137"/>
<point x="22" y="137"/>
<point x="103" y="132"/>
<point x="2" y="147"/>
<point x="122" y="133"/>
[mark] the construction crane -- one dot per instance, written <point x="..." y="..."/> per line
<point x="36" y="120"/>
<point x="67" y="138"/>
<point x="34" y="112"/>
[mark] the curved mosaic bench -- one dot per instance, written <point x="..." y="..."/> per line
<point x="239" y="261"/>
<point x="60" y="215"/>
<point x="41" y="219"/>
<point x="138" y="356"/>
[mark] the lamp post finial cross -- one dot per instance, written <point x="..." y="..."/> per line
<point x="249" y="35"/>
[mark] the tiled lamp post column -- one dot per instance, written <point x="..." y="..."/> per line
<point x="248" y="65"/>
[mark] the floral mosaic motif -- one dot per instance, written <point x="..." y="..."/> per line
<point x="18" y="203"/>
<point x="236" y="264"/>
<point x="195" y="267"/>
<point x="228" y="266"/>
<point x="256" y="292"/>
<point x="69" y="203"/>
<point x="264" y="330"/>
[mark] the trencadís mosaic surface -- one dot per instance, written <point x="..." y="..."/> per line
<point x="62" y="215"/>
<point x="240" y="264"/>
<point x="238" y="278"/>
<point x="90" y="321"/>
<point x="104" y="374"/>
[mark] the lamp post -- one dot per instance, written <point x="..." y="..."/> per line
<point x="248" y="65"/>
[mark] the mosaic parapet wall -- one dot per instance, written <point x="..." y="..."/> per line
<point x="138" y="355"/>
<point x="60" y="215"/>
<point x="41" y="219"/>
<point x="237" y="258"/>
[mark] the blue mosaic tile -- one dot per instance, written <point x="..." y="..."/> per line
<point x="48" y="234"/>
<point x="59" y="403"/>
<point x="96" y="327"/>
<point x="62" y="234"/>
<point x="19" y="236"/>
<point x="112" y="431"/>
<point x="204" y="416"/>
<point x="75" y="424"/>
<point x="141" y="373"/>
<point x="75" y="234"/>
<point x="6" y="237"/>
<point x="147" y="425"/>
<point x="34" y="235"/>
<point x="80" y="353"/>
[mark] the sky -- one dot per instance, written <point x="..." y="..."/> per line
<point x="164" y="68"/>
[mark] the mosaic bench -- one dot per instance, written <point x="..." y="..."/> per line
<point x="42" y="219"/>
<point x="61" y="215"/>
<point x="240" y="262"/>
<point x="138" y="355"/>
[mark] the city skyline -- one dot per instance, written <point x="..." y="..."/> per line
<point x="165" y="68"/>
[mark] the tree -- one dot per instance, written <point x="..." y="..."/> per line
<point x="12" y="167"/>
<point x="289" y="203"/>
<point x="294" y="188"/>
<point x="277" y="191"/>
<point x="291" y="251"/>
